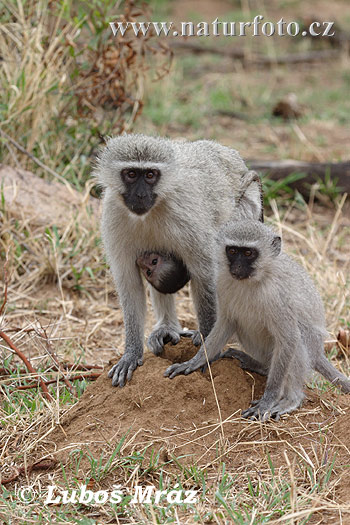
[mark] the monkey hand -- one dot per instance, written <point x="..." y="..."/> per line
<point x="187" y="367"/>
<point x="161" y="336"/>
<point x="123" y="370"/>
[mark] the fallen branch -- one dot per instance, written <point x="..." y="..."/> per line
<point x="299" y="58"/>
<point x="42" y="464"/>
<point x="314" y="171"/>
<point x="240" y="54"/>
<point x="28" y="364"/>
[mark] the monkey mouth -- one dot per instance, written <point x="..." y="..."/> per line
<point x="241" y="277"/>
<point x="141" y="206"/>
<point x="140" y="210"/>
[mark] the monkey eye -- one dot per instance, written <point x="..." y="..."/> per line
<point x="248" y="253"/>
<point x="154" y="262"/>
<point x="232" y="251"/>
<point x="150" y="175"/>
<point x="131" y="174"/>
<point x="149" y="273"/>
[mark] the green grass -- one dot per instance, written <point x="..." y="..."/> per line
<point x="48" y="122"/>
<point x="264" y="498"/>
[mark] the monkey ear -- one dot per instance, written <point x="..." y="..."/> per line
<point x="276" y="245"/>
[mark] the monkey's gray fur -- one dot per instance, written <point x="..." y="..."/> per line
<point x="276" y="314"/>
<point x="197" y="186"/>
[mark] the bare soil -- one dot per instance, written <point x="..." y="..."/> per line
<point x="181" y="417"/>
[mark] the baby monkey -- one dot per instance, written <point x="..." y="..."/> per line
<point x="270" y="304"/>
<point x="164" y="272"/>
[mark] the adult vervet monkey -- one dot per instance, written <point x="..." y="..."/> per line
<point x="167" y="197"/>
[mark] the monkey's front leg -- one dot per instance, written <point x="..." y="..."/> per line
<point x="223" y="330"/>
<point x="133" y="301"/>
<point x="167" y="328"/>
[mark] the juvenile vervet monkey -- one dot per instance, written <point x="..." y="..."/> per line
<point x="270" y="304"/>
<point x="166" y="197"/>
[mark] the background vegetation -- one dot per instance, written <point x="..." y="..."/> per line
<point x="65" y="84"/>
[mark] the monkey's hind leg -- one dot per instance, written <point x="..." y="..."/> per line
<point x="246" y="362"/>
<point x="204" y="299"/>
<point x="194" y="334"/>
<point x="291" y="399"/>
<point x="283" y="406"/>
<point x="284" y="388"/>
<point x="167" y="328"/>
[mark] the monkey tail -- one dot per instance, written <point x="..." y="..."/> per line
<point x="324" y="367"/>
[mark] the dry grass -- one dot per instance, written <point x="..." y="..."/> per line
<point x="61" y="298"/>
<point x="66" y="81"/>
<point x="33" y="68"/>
<point x="52" y="292"/>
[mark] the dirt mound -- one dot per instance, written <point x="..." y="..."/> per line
<point x="155" y="407"/>
<point x="181" y="416"/>
<point x="27" y="195"/>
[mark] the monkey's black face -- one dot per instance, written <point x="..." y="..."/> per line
<point x="140" y="183"/>
<point x="241" y="261"/>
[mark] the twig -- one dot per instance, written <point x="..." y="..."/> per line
<point x="232" y="114"/>
<point x="91" y="375"/>
<point x="28" y="364"/>
<point x="18" y="329"/>
<point x="34" y="159"/>
<point x="214" y="390"/>
<point x="42" y="464"/>
<point x="5" y="283"/>
<point x="197" y="48"/>
<point x="65" y="366"/>
<point x="57" y="363"/>
<point x="82" y="367"/>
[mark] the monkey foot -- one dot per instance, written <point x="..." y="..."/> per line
<point x="123" y="370"/>
<point x="263" y="410"/>
<point x="161" y="336"/>
<point x="194" y="334"/>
